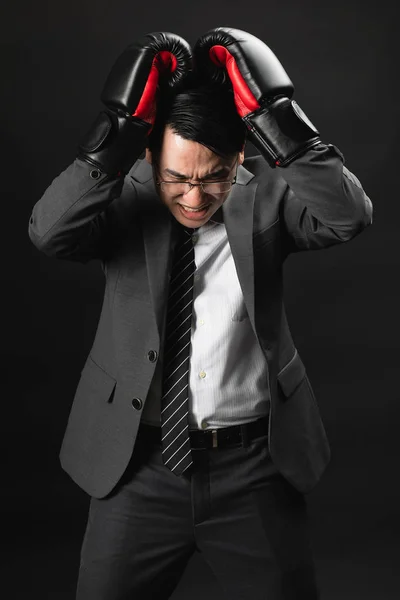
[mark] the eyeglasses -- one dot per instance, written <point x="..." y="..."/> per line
<point x="181" y="188"/>
<point x="178" y="188"/>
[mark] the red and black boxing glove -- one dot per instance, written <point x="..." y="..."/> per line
<point x="119" y="134"/>
<point x="262" y="90"/>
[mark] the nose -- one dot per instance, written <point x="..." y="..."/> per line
<point x="195" y="192"/>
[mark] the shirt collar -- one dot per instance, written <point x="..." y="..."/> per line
<point x="217" y="216"/>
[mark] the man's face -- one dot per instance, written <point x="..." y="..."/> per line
<point x="183" y="160"/>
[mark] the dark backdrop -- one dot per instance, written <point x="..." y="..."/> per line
<point x="342" y="303"/>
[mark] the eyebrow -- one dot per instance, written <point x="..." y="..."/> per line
<point x="222" y="171"/>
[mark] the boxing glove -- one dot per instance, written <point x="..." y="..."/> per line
<point x="262" y="92"/>
<point x="119" y="134"/>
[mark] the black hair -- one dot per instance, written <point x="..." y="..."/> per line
<point x="201" y="113"/>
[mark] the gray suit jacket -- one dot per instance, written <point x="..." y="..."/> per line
<point x="313" y="203"/>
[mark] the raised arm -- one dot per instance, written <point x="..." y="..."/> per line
<point x="78" y="213"/>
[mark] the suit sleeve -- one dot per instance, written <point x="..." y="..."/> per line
<point x="80" y="217"/>
<point x="324" y="203"/>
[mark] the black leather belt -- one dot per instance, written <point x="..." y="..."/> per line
<point x="212" y="438"/>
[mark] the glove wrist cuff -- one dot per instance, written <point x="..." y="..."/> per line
<point x="281" y="131"/>
<point x="114" y="142"/>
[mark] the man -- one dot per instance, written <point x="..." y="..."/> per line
<point x="194" y="426"/>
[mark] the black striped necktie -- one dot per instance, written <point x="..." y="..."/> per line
<point x="175" y="442"/>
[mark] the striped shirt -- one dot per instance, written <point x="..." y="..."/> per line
<point x="228" y="382"/>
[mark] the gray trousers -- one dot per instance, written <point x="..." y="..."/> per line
<point x="249" y="524"/>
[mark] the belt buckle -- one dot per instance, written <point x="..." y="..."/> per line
<point x="214" y="438"/>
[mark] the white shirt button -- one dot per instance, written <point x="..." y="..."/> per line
<point x="201" y="322"/>
<point x="202" y="374"/>
<point x="204" y="424"/>
<point x="194" y="238"/>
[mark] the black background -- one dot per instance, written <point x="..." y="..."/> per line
<point x="342" y="302"/>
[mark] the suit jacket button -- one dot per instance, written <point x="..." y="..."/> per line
<point x="95" y="174"/>
<point x="137" y="403"/>
<point x="152" y="355"/>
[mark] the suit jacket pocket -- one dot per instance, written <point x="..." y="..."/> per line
<point x="96" y="444"/>
<point x="96" y="383"/>
<point x="292" y="374"/>
<point x="298" y="441"/>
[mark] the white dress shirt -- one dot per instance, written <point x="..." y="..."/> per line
<point x="228" y="382"/>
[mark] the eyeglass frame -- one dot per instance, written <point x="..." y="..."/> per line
<point x="192" y="185"/>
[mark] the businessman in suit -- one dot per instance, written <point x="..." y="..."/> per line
<point x="194" y="426"/>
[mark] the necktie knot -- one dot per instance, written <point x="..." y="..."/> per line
<point x="189" y="230"/>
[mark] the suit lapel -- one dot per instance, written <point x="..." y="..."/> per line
<point x="238" y="214"/>
<point x="157" y="229"/>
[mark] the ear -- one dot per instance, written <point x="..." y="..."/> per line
<point x="241" y="157"/>
<point x="149" y="156"/>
